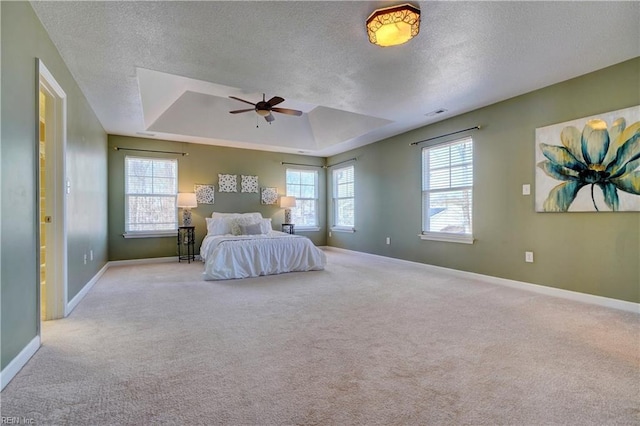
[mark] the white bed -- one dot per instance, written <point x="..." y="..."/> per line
<point x="230" y="253"/>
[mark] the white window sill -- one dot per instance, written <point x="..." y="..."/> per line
<point x="151" y="234"/>
<point x="449" y="238"/>
<point x="343" y="229"/>
<point x="307" y="228"/>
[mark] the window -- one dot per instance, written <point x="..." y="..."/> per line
<point x="447" y="191"/>
<point x="150" y="195"/>
<point x="303" y="184"/>
<point x="343" y="198"/>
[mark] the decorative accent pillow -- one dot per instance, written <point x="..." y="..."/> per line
<point x="237" y="222"/>
<point x="265" y="226"/>
<point x="227" y="183"/>
<point x="253" y="229"/>
<point x="218" y="226"/>
<point x="249" y="184"/>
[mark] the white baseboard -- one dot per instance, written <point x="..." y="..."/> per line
<point x="143" y="261"/>
<point x="593" y="299"/>
<point x="82" y="293"/>
<point x="18" y="362"/>
<point x="150" y="260"/>
<point x="622" y="305"/>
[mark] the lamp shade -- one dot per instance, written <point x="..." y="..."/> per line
<point x="187" y="200"/>
<point x="287" y="202"/>
<point x="394" y="25"/>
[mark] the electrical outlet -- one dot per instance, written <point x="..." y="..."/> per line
<point x="526" y="189"/>
<point x="85" y="258"/>
<point x="528" y="256"/>
<point x="388" y="240"/>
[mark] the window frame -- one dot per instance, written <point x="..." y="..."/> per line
<point x="334" y="184"/>
<point x="315" y="200"/>
<point x="128" y="233"/>
<point x="455" y="237"/>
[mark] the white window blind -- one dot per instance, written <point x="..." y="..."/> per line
<point x="303" y="184"/>
<point x="447" y="189"/>
<point x="344" y="197"/>
<point x="150" y="194"/>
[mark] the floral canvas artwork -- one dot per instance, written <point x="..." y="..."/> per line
<point x="590" y="165"/>
<point x="205" y="194"/>
<point x="269" y="195"/>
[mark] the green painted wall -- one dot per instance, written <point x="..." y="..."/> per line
<point x="23" y="39"/>
<point x="202" y="166"/>
<point x="585" y="252"/>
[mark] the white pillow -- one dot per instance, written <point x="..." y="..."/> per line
<point x="238" y="222"/>
<point x="253" y="229"/>
<point x="231" y="227"/>
<point x="265" y="226"/>
<point x="218" y="226"/>
<point x="257" y="216"/>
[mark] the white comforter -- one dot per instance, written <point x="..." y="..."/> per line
<point x="243" y="256"/>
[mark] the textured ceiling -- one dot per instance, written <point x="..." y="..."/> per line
<point x="166" y="69"/>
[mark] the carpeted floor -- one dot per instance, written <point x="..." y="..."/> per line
<point x="368" y="341"/>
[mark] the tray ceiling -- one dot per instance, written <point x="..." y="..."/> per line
<point x="166" y="69"/>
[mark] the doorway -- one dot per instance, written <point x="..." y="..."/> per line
<point x="52" y="242"/>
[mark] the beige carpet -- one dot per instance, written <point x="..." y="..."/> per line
<point x="368" y="341"/>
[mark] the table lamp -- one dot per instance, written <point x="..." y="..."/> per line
<point x="187" y="201"/>
<point x="286" y="203"/>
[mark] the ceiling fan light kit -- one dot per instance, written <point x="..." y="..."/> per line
<point x="391" y="26"/>
<point x="264" y="108"/>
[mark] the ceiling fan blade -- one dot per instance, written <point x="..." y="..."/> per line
<point x="242" y="110"/>
<point x="242" y="100"/>
<point x="287" y="111"/>
<point x="275" y="101"/>
<point x="269" y="118"/>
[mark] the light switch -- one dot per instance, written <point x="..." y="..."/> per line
<point x="526" y="189"/>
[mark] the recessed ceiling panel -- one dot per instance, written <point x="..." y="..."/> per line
<point x="183" y="106"/>
<point x="207" y="116"/>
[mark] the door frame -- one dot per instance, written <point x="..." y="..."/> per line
<point x="57" y="187"/>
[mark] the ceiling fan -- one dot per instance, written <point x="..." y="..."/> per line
<point x="264" y="108"/>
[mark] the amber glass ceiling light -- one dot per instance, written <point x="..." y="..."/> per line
<point x="393" y="25"/>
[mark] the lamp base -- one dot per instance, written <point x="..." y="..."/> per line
<point x="287" y="216"/>
<point x="186" y="217"/>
